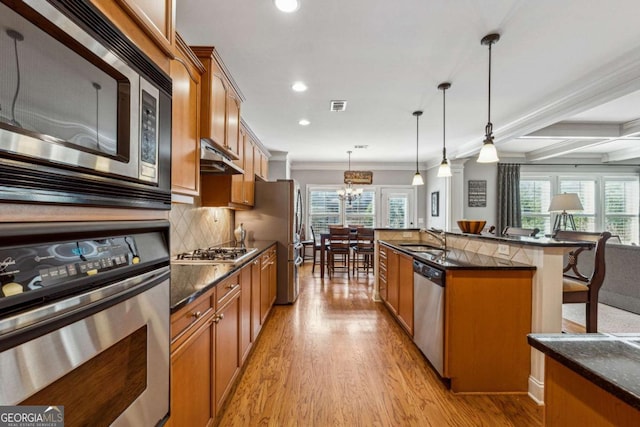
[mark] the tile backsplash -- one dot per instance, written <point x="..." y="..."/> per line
<point x="194" y="226"/>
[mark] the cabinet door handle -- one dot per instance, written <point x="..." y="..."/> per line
<point x="218" y="318"/>
<point x="196" y="314"/>
<point x="230" y="287"/>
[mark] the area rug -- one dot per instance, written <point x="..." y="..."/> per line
<point x="610" y="319"/>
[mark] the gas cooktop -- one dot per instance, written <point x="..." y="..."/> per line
<point x="214" y="255"/>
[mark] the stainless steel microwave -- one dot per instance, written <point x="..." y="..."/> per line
<point x="85" y="115"/>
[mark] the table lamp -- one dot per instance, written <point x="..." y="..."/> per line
<point x="562" y="203"/>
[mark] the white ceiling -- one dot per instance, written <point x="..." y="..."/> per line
<point x="568" y="60"/>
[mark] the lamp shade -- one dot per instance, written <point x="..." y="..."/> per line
<point x="417" y="179"/>
<point x="488" y="153"/>
<point x="444" y="170"/>
<point x="565" y="202"/>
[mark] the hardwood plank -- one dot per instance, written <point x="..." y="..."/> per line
<point x="338" y="358"/>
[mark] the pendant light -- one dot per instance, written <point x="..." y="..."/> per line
<point x="349" y="193"/>
<point x="488" y="153"/>
<point x="417" y="178"/>
<point x="444" y="170"/>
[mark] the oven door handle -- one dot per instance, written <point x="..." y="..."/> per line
<point x="25" y="326"/>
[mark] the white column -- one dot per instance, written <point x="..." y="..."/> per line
<point x="455" y="196"/>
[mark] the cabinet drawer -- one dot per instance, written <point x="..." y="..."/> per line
<point x="227" y="289"/>
<point x="190" y="314"/>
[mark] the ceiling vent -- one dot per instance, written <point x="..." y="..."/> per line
<point x="338" y="105"/>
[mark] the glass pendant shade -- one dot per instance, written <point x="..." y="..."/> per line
<point x="488" y="153"/>
<point x="444" y="171"/>
<point x="417" y="179"/>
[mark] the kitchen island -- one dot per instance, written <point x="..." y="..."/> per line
<point x="469" y="314"/>
<point x="545" y="254"/>
<point x="591" y="379"/>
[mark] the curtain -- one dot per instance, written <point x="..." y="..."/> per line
<point x="508" y="196"/>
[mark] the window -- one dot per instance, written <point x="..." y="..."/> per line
<point x="379" y="206"/>
<point x="535" y="197"/>
<point x="586" y="190"/>
<point x="324" y="208"/>
<point x="621" y="208"/>
<point x="610" y="202"/>
<point x="362" y="211"/>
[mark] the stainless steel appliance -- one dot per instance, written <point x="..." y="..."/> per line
<point x="216" y="254"/>
<point x="214" y="159"/>
<point x="277" y="215"/>
<point x="428" y="312"/>
<point x="85" y="320"/>
<point x="85" y="116"/>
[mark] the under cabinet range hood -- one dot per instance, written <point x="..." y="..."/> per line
<point x="215" y="160"/>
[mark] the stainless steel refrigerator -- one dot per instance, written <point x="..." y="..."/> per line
<point x="277" y="215"/>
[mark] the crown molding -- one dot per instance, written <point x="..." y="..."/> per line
<point x="609" y="82"/>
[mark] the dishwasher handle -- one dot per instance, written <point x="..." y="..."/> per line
<point x="435" y="275"/>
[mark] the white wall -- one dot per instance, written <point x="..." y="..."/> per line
<point x="433" y="184"/>
<point x="482" y="171"/>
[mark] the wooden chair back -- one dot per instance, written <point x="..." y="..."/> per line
<point x="517" y="231"/>
<point x="365" y="238"/>
<point x="599" y="268"/>
<point x="339" y="239"/>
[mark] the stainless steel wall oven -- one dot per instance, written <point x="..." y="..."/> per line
<point x="85" y="115"/>
<point x="84" y="320"/>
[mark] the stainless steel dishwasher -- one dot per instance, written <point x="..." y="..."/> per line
<point x="428" y="312"/>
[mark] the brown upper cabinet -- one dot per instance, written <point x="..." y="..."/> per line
<point x="186" y="70"/>
<point x="220" y="102"/>
<point x="233" y="191"/>
<point x="150" y="24"/>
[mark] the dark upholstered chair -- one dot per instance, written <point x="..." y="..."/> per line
<point x="578" y="288"/>
<point x="516" y="231"/>
<point x="338" y="252"/>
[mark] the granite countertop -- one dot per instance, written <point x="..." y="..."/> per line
<point x="456" y="259"/>
<point x="524" y="240"/>
<point x="610" y="361"/>
<point x="189" y="281"/>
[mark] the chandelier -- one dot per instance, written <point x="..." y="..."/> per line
<point x="349" y="193"/>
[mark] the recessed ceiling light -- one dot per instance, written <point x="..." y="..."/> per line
<point x="299" y="86"/>
<point x="287" y="6"/>
<point x="304" y="122"/>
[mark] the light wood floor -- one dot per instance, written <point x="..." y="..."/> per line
<point x="336" y="358"/>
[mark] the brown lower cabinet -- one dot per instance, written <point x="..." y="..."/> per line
<point x="211" y="338"/>
<point x="396" y="276"/>
<point x="487" y="316"/>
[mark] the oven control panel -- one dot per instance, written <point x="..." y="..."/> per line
<point x="31" y="268"/>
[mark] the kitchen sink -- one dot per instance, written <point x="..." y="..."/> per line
<point x="423" y="249"/>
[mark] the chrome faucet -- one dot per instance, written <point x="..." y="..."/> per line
<point x="439" y="235"/>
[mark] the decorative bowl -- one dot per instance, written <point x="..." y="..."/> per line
<point x="471" y="226"/>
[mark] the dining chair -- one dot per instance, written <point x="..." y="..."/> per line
<point x="338" y="252"/>
<point x="578" y="288"/>
<point x="363" y="250"/>
<point x="307" y="243"/>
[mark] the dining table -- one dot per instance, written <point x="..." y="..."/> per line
<point x="324" y="241"/>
